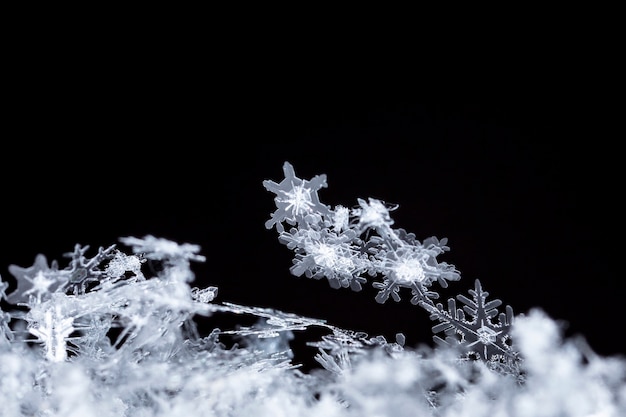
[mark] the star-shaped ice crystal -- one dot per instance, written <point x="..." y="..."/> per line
<point x="28" y="279"/>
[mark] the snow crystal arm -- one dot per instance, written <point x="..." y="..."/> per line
<point x="276" y="321"/>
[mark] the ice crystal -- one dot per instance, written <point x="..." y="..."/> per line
<point x="116" y="334"/>
<point x="295" y="198"/>
<point x="479" y="335"/>
<point x="38" y="280"/>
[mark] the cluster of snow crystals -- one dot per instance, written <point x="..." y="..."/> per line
<point x="353" y="245"/>
<point x="114" y="334"/>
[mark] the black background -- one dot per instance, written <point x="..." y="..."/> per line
<point x="524" y="181"/>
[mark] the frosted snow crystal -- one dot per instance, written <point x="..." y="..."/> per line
<point x="114" y="334"/>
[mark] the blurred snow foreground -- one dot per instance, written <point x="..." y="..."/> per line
<point x="113" y="334"/>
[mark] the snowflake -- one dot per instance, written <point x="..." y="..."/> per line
<point x="82" y="271"/>
<point x="326" y="254"/>
<point x="295" y="198"/>
<point x="478" y="336"/>
<point x="40" y="285"/>
<point x="401" y="268"/>
<point x="407" y="269"/>
<point x="331" y="257"/>
<point x="26" y="279"/>
<point x="411" y="266"/>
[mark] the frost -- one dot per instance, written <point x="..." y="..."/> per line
<point x="115" y="334"/>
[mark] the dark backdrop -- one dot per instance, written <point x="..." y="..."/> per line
<point x="527" y="188"/>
